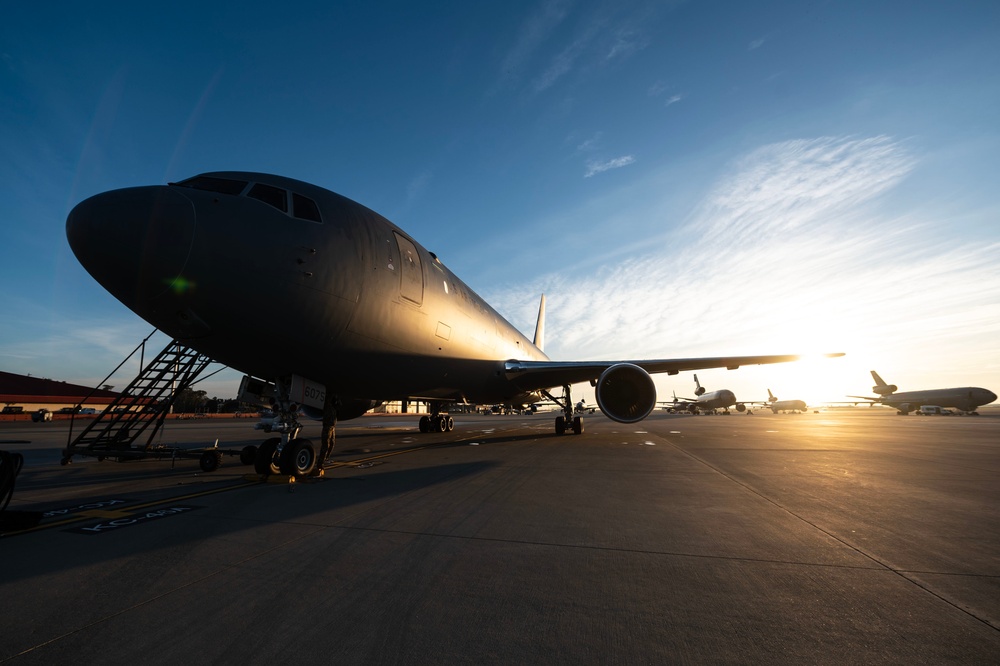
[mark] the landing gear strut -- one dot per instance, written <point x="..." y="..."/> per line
<point x="567" y="420"/>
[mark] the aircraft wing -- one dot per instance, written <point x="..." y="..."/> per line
<point x="533" y="375"/>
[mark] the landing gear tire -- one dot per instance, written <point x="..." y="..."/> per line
<point x="560" y="425"/>
<point x="298" y="458"/>
<point x="578" y="425"/>
<point x="425" y="424"/>
<point x="248" y="454"/>
<point x="449" y="423"/>
<point x="210" y="461"/>
<point x="264" y="462"/>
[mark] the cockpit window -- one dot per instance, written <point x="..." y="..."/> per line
<point x="305" y="208"/>
<point x="213" y="184"/>
<point x="272" y="196"/>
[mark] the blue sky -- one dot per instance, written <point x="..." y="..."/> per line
<point x="680" y="178"/>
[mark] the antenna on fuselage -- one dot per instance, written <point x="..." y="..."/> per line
<point x="539" y="340"/>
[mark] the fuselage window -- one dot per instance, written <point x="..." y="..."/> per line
<point x="270" y="195"/>
<point x="305" y="208"/>
<point x="213" y="184"/>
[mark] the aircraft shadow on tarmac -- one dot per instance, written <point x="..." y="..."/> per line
<point x="302" y="507"/>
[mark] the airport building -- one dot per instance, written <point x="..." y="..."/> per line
<point x="22" y="394"/>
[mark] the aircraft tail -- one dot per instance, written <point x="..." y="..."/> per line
<point x="881" y="388"/>
<point x="770" y="396"/>
<point x="539" y="340"/>
<point x="699" y="389"/>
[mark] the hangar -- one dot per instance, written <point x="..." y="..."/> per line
<point x="23" y="394"/>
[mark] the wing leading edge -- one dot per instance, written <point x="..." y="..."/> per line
<point x="535" y="375"/>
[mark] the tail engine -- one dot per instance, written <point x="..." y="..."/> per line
<point x="625" y="393"/>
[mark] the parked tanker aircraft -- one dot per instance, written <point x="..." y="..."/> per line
<point x="966" y="398"/>
<point x="776" y="405"/>
<point x="708" y="402"/>
<point x="333" y="305"/>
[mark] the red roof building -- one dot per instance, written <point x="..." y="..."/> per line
<point x="33" y="393"/>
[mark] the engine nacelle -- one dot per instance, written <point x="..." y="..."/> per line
<point x="885" y="390"/>
<point x="740" y="407"/>
<point x="700" y="391"/>
<point x="626" y="393"/>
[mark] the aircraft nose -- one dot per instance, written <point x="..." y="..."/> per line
<point x="135" y="241"/>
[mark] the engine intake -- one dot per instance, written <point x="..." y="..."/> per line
<point x="626" y="393"/>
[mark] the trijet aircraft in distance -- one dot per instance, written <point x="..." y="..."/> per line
<point x="966" y="398"/>
<point x="709" y="402"/>
<point x="776" y="405"/>
<point x="333" y="306"/>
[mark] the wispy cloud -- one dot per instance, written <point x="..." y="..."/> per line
<point x="660" y="88"/>
<point x="789" y="250"/>
<point x="755" y="44"/>
<point x="417" y="186"/>
<point x="627" y="43"/>
<point x="595" y="167"/>
<point x="657" y="89"/>
<point x="534" y="32"/>
<point x="562" y="38"/>
<point x="564" y="61"/>
<point x="590" y="144"/>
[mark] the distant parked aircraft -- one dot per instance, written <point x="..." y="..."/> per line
<point x="709" y="402"/>
<point x="967" y="398"/>
<point x="776" y="405"/>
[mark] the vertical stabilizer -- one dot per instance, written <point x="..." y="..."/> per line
<point x="770" y="396"/>
<point x="881" y="387"/>
<point x="539" y="340"/>
<point x="699" y="390"/>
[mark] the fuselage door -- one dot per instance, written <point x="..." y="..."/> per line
<point x="411" y="276"/>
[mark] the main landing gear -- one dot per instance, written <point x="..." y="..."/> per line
<point x="567" y="420"/>
<point x="436" y="422"/>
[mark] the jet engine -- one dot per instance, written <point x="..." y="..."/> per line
<point x="885" y="389"/>
<point x="625" y="393"/>
<point x="740" y="407"/>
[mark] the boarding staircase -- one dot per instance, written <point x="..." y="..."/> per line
<point x="139" y="411"/>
